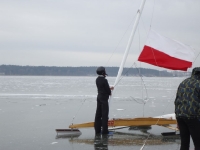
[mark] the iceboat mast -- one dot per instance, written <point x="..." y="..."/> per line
<point x="139" y="12"/>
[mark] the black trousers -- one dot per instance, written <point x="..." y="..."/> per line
<point x="189" y="127"/>
<point x="101" y="117"/>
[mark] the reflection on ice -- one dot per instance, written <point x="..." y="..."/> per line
<point x="124" y="139"/>
<point x="66" y="136"/>
<point x="67" y="133"/>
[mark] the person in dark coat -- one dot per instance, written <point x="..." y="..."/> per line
<point x="187" y="110"/>
<point x="102" y="110"/>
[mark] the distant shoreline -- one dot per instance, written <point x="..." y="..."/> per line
<point x="15" y="70"/>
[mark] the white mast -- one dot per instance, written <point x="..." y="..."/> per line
<point x="139" y="12"/>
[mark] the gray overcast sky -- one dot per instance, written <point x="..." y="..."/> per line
<point x="90" y="32"/>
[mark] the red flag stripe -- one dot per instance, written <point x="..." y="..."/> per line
<point x="158" y="58"/>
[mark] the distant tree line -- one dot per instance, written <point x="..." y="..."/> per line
<point x="80" y="71"/>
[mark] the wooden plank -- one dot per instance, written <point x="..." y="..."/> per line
<point x="129" y="122"/>
<point x="82" y="125"/>
<point x="143" y="121"/>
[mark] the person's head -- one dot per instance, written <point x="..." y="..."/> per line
<point x="101" y="71"/>
<point x="196" y="71"/>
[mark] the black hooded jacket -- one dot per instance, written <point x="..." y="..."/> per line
<point x="103" y="88"/>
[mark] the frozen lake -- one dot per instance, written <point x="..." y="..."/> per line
<point x="31" y="108"/>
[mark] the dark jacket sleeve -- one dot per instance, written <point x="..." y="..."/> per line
<point x="107" y="87"/>
<point x="103" y="86"/>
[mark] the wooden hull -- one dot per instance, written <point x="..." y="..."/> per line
<point x="129" y="122"/>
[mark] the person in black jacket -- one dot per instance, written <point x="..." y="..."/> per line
<point x="102" y="110"/>
<point x="187" y="110"/>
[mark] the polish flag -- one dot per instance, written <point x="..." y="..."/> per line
<point x="167" y="53"/>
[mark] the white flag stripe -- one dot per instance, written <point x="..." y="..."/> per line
<point x="170" y="47"/>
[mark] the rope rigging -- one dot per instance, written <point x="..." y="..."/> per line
<point x="120" y="40"/>
<point x="78" y="111"/>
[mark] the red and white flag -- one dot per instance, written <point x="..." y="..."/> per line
<point x="167" y="53"/>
